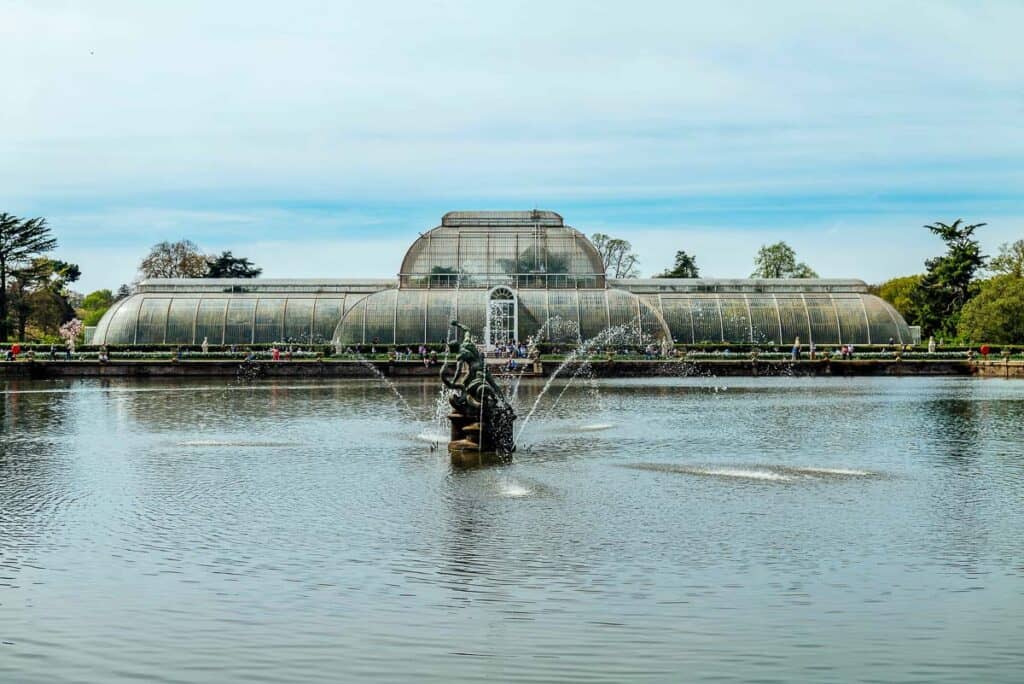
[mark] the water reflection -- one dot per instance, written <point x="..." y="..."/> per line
<point x="647" y="530"/>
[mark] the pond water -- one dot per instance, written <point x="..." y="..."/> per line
<point x="763" y="529"/>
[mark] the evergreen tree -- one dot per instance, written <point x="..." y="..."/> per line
<point x="229" y="266"/>
<point x="21" y="240"/>
<point x="948" y="283"/>
<point x="685" y="267"/>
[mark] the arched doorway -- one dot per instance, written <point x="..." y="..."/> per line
<point x="502" y="318"/>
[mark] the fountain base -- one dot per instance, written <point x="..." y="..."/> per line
<point x="470" y="446"/>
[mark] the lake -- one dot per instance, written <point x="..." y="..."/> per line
<point x="690" y="529"/>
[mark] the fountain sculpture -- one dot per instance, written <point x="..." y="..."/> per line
<point x="482" y="418"/>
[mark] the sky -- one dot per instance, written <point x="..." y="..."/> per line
<point x="320" y="138"/>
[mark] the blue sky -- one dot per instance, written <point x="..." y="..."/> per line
<point x="318" y="138"/>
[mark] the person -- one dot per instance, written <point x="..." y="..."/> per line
<point x="275" y="353"/>
<point x="812" y="348"/>
<point x="849" y="351"/>
<point x="15" y="350"/>
<point x="251" y="356"/>
<point x="288" y="354"/>
<point x="67" y="352"/>
<point x="53" y="352"/>
<point x="931" y="344"/>
<point x="206" y="346"/>
<point x="796" y="349"/>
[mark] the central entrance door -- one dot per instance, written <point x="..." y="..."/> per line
<point x="502" y="318"/>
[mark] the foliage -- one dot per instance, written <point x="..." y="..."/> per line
<point x="229" y="266"/>
<point x="123" y="292"/>
<point x="1010" y="260"/>
<point x="180" y="259"/>
<point x="685" y="267"/>
<point x="779" y="261"/>
<point x="94" y="305"/>
<point x="996" y="314"/>
<point x="948" y="283"/>
<point x="899" y="292"/>
<point x="71" y="331"/>
<point x="39" y="294"/>
<point x="21" y="241"/>
<point x="617" y="256"/>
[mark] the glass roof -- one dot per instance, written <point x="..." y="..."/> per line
<point x="523" y="249"/>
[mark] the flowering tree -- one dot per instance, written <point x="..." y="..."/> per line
<point x="70" y="332"/>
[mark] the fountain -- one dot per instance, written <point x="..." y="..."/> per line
<point x="481" y="418"/>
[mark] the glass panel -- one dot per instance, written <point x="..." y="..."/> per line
<point x="735" y="320"/>
<point x="707" y="324"/>
<point x="472" y="310"/>
<point x="181" y="320"/>
<point x="794" y="320"/>
<point x="350" y="330"/>
<point x="651" y="322"/>
<point x="883" y="328"/>
<point x="239" y="321"/>
<point x="565" y="324"/>
<point x="532" y="312"/>
<point x="412" y="308"/>
<point x="210" y="321"/>
<point x="152" y="321"/>
<point x="622" y="309"/>
<point x="851" y="319"/>
<point x="380" y="318"/>
<point x="594" y="313"/>
<point x="440" y="314"/>
<point x="122" y="325"/>
<point x="823" y="320"/>
<point x="269" y="320"/>
<point x="676" y="311"/>
<point x="326" y="319"/>
<point x="298" y="321"/>
<point x="764" y="319"/>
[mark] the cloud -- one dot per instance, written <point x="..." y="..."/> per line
<point x="135" y="122"/>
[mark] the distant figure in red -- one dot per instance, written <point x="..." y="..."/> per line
<point x="275" y="353"/>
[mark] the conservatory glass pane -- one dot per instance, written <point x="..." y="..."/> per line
<point x="532" y="313"/>
<point x="676" y="311"/>
<point x="764" y="319"/>
<point x="735" y="320"/>
<point x="707" y="322"/>
<point x="412" y="308"/>
<point x="326" y="319"/>
<point x="851" y="319"/>
<point x="210" y="321"/>
<point x="594" y="313"/>
<point x="823" y="320"/>
<point x="269" y="320"/>
<point x="473" y="311"/>
<point x="122" y="325"/>
<point x="565" y="326"/>
<point x="180" y="321"/>
<point x="440" y="314"/>
<point x="794" y="320"/>
<point x="238" y="329"/>
<point x="380" y="318"/>
<point x="152" y="321"/>
<point x="883" y="327"/>
<point x="298" y="321"/>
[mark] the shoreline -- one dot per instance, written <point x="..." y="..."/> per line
<point x="41" y="369"/>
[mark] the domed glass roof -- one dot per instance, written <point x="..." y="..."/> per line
<point x="483" y="249"/>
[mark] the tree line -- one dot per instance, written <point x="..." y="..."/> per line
<point x="36" y="299"/>
<point x="964" y="295"/>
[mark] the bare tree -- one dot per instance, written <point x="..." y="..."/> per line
<point x="617" y="256"/>
<point x="180" y="259"/>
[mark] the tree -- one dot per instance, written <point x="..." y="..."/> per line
<point x="123" y="292"/>
<point x="21" y="240"/>
<point x="779" y="261"/>
<point x="617" y="256"/>
<point x="948" y="282"/>
<point x="685" y="267"/>
<point x="1010" y="260"/>
<point x="228" y="266"/>
<point x="996" y="313"/>
<point x="180" y="259"/>
<point x="94" y="305"/>
<point x="39" y="295"/>
<point x="899" y="292"/>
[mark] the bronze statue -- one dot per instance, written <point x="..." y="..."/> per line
<point x="482" y="419"/>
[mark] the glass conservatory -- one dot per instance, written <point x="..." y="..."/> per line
<point x="508" y="276"/>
